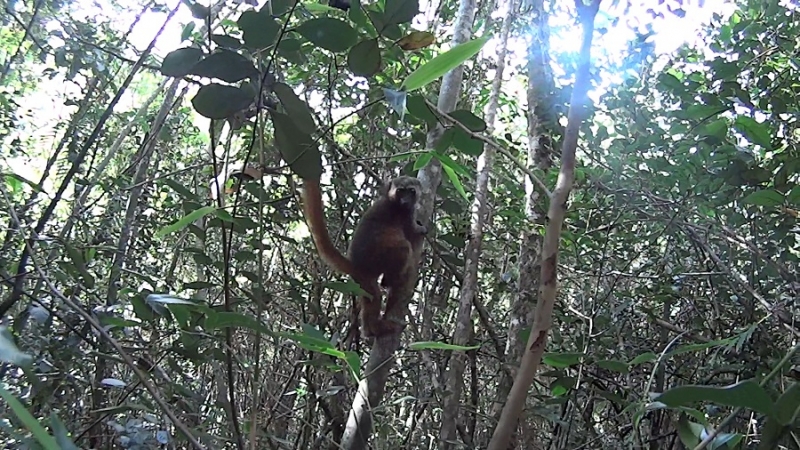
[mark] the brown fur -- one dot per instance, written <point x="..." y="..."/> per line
<point x="387" y="242"/>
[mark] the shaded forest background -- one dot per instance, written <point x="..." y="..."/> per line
<point x="160" y="288"/>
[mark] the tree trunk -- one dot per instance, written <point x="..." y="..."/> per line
<point x="463" y="329"/>
<point x="549" y="263"/>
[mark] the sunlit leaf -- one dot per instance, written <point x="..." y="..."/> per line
<point x="9" y="353"/>
<point x="416" y="40"/>
<point x="561" y="360"/>
<point x="616" y="366"/>
<point x="757" y="133"/>
<point x="396" y="100"/>
<point x="453" y="177"/>
<point x="184" y="221"/>
<point x="443" y="63"/>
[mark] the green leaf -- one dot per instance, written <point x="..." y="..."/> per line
<point x="184" y="221"/>
<point x="297" y="149"/>
<point x="561" y="360"/>
<point x="418" y="108"/>
<point x="469" y="120"/>
<point x="27" y="419"/>
<point x="220" y="320"/>
<point x="364" y="59"/>
<point x="357" y="16"/>
<point x="225" y="41"/>
<point x="328" y="33"/>
<point x="223" y="215"/>
<point x="169" y="300"/>
<point x="689" y="432"/>
<point x="179" y="63"/>
<point x="9" y="353"/>
<point x="61" y="433"/>
<point x="187" y="31"/>
<point x="794" y="196"/>
<point x="396" y="12"/>
<point x="700" y="112"/>
<point x="788" y="405"/>
<point x="771" y="434"/>
<point x="180" y="189"/>
<point x="451" y="163"/>
<point x="746" y="394"/>
<point x="78" y="262"/>
<point x="433" y="345"/>
<point x="118" y="322"/>
<point x="278" y="7"/>
<point x="14" y="176"/>
<point x="615" y="366"/>
<point x="226" y="65"/>
<point x="643" y="358"/>
<point x="443" y="63"/>
<point x="453" y="177"/>
<point x="218" y="101"/>
<point x="259" y="30"/>
<point x="757" y="133"/>
<point x="346" y="287"/>
<point x="319" y="8"/>
<point x="466" y="143"/>
<point x="423" y="160"/>
<point x="764" y="197"/>
<point x="296" y="108"/>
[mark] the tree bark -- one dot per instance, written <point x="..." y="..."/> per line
<point x="540" y="83"/>
<point x="549" y="263"/>
<point x="454" y="379"/>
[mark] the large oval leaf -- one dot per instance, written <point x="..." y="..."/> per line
<point x="259" y="30"/>
<point x="298" y="149"/>
<point x="179" y="63"/>
<point x="331" y="34"/>
<point x="364" y="59"/>
<point x="226" y="65"/>
<point x="396" y="12"/>
<point x="218" y="101"/>
<point x="765" y="197"/>
<point x="443" y="63"/>
<point x="297" y="109"/>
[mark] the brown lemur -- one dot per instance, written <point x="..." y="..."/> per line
<point x="387" y="241"/>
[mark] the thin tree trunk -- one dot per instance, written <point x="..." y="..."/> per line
<point x="521" y="310"/>
<point x="547" y="293"/>
<point x="463" y="330"/>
